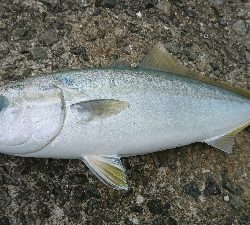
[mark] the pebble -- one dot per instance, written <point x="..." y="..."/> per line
<point x="222" y="21"/>
<point x="150" y="3"/>
<point x="172" y="221"/>
<point x="134" y="219"/>
<point x="211" y="187"/>
<point x="248" y="57"/>
<point x="192" y="190"/>
<point x="80" y="50"/>
<point x="160" y="221"/>
<point x="217" y="2"/>
<point x="4" y="51"/>
<point x="92" y="191"/>
<point x="139" y="14"/>
<point x="136" y="208"/>
<point x="106" y="3"/>
<point x="164" y="6"/>
<point x="245" y="220"/>
<point x="239" y="27"/>
<point x="155" y="206"/>
<point x="230" y="186"/>
<point x="139" y="199"/>
<point x="78" y="179"/>
<point x="48" y="37"/>
<point x="226" y="198"/>
<point x="39" y="53"/>
<point x="4" y="199"/>
<point x="4" y="221"/>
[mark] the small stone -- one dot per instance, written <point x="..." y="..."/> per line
<point x="78" y="179"/>
<point x="134" y="219"/>
<point x="239" y="27"/>
<point x="81" y="50"/>
<point x="226" y="198"/>
<point x="48" y="37"/>
<point x="244" y="220"/>
<point x="222" y="21"/>
<point x="4" y="51"/>
<point x="4" y="199"/>
<point x="247" y="46"/>
<point x="190" y="12"/>
<point x="192" y="190"/>
<point x="217" y="2"/>
<point x="139" y="199"/>
<point x="214" y="66"/>
<point x="248" y="57"/>
<point x="92" y="191"/>
<point x="248" y="82"/>
<point x="155" y="206"/>
<point x="139" y="14"/>
<point x="172" y="221"/>
<point x="136" y="208"/>
<point x="106" y="3"/>
<point x="237" y="203"/>
<point x="2" y="24"/>
<point x="211" y="187"/>
<point x="192" y="56"/>
<point x="160" y="221"/>
<point x="128" y="49"/>
<point x="27" y="72"/>
<point x="150" y="3"/>
<point x="230" y="186"/>
<point x="164" y="6"/>
<point x="50" y="3"/>
<point x="39" y="53"/>
<point x="4" y="221"/>
<point x="97" y="12"/>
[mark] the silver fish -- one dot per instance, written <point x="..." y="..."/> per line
<point x="101" y="115"/>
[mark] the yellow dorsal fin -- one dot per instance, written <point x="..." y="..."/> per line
<point x="159" y="58"/>
<point x="225" y="142"/>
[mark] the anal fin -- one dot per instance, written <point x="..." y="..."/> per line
<point x="225" y="142"/>
<point x="108" y="169"/>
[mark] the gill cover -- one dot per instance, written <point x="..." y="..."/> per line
<point x="31" y="117"/>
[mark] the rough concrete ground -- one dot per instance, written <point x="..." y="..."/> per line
<point x="194" y="184"/>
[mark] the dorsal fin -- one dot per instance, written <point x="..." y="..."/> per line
<point x="159" y="58"/>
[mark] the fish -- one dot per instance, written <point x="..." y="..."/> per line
<point x="99" y="115"/>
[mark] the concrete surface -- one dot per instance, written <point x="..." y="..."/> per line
<point x="195" y="184"/>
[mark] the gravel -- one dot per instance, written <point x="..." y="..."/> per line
<point x="240" y="27"/>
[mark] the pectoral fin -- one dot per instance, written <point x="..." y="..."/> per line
<point x="225" y="142"/>
<point x="101" y="108"/>
<point x="108" y="169"/>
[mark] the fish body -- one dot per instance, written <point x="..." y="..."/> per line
<point x="100" y="115"/>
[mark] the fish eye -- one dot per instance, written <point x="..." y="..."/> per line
<point x="4" y="102"/>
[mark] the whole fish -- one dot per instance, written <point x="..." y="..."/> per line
<point x="100" y="115"/>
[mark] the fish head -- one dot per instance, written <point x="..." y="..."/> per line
<point x="30" y="118"/>
<point x="15" y="128"/>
